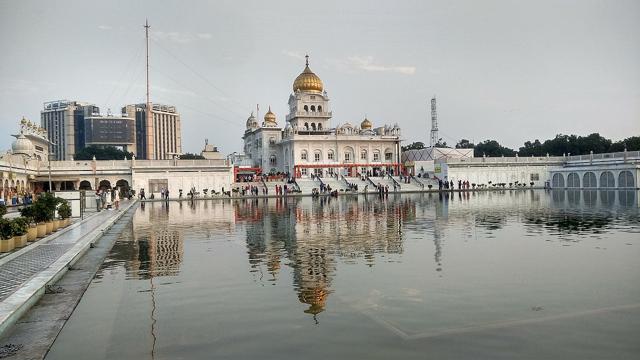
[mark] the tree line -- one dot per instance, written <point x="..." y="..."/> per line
<point x="558" y="146"/>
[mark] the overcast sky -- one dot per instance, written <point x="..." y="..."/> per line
<point x="505" y="70"/>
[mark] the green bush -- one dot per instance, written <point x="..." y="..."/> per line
<point x="64" y="210"/>
<point x="3" y="210"/>
<point x="5" y="229"/>
<point x="19" y="226"/>
<point x="29" y="214"/>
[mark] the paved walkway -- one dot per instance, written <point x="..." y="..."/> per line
<point x="24" y="275"/>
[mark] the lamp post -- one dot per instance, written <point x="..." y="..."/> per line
<point x="51" y="144"/>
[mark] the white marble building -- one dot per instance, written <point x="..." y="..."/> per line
<point x="308" y="144"/>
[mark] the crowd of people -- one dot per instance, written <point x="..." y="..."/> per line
<point x="450" y="185"/>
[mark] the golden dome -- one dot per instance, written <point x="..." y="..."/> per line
<point x="365" y="124"/>
<point x="23" y="121"/>
<point x="307" y="80"/>
<point x="270" y="118"/>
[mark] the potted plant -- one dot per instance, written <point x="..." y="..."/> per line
<point x="64" y="212"/>
<point x="28" y="214"/>
<point x="6" y="236"/>
<point x="3" y="210"/>
<point x="19" y="228"/>
<point x="40" y="217"/>
<point x="429" y="186"/>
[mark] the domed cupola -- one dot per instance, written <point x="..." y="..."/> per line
<point x="307" y="80"/>
<point x="22" y="145"/>
<point x="270" y="119"/>
<point x="365" y="124"/>
<point x="252" y="122"/>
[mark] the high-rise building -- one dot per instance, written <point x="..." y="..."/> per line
<point x="158" y="136"/>
<point x="110" y="130"/>
<point x="64" y="124"/>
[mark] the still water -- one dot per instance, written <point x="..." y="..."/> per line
<point x="490" y="275"/>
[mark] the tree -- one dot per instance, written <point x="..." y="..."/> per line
<point x="630" y="143"/>
<point x="190" y="156"/>
<point x="102" y="153"/>
<point x="464" y="144"/>
<point x="440" y="144"/>
<point x="414" y="146"/>
<point x="492" y="148"/>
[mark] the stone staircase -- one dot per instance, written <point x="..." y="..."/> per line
<point x="362" y="185"/>
<point x="306" y="185"/>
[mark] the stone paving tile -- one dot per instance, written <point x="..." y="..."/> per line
<point x="16" y="272"/>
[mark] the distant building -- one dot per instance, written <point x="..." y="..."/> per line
<point x="160" y="138"/>
<point x="110" y="130"/>
<point x="211" y="152"/>
<point x="308" y="145"/>
<point x="64" y="124"/>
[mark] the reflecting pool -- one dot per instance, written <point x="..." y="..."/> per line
<point x="488" y="275"/>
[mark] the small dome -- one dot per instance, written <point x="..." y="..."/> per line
<point x="22" y="145"/>
<point x="307" y="80"/>
<point x="270" y="118"/>
<point x="23" y="121"/>
<point x="251" y="121"/>
<point x="365" y="124"/>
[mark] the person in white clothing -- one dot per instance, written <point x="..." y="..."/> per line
<point x="116" y="199"/>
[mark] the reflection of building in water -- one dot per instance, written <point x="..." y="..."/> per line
<point x="158" y="235"/>
<point x="313" y="237"/>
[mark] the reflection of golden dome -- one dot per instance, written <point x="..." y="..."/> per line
<point x="365" y="124"/>
<point x="316" y="297"/>
<point x="307" y="81"/>
<point x="269" y="117"/>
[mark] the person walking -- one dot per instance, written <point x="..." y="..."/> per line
<point x="98" y="200"/>
<point x="142" y="197"/>
<point x="166" y="195"/>
<point x="116" y="199"/>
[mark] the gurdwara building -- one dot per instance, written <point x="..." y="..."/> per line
<point x="309" y="144"/>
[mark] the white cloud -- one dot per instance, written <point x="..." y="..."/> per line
<point x="181" y="37"/>
<point x="104" y="27"/>
<point x="204" y="36"/>
<point x="293" y="54"/>
<point x="366" y="63"/>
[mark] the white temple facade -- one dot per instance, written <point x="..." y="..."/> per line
<point x="308" y="144"/>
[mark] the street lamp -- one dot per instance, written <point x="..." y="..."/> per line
<point x="51" y="144"/>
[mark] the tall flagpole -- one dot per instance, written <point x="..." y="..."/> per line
<point x="148" y="111"/>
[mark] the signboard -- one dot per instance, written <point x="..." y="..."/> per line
<point x="110" y="130"/>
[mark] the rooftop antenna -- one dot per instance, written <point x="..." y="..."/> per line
<point x="434" y="123"/>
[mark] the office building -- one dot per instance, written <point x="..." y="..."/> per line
<point x="157" y="137"/>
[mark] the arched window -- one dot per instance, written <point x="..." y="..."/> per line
<point x="317" y="156"/>
<point x="573" y="180"/>
<point x="589" y="180"/>
<point x="306" y="108"/>
<point x="625" y="179"/>
<point x="607" y="180"/>
<point x="388" y="155"/>
<point x="330" y="154"/>
<point x="306" y="126"/>
<point x="319" y="108"/>
<point x="557" y="181"/>
<point x="303" y="155"/>
<point x="319" y="126"/>
<point x="363" y="154"/>
<point x="272" y="160"/>
<point x="376" y="155"/>
<point x="272" y="140"/>
<point x="313" y="126"/>
<point x="313" y="108"/>
<point x="348" y="155"/>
